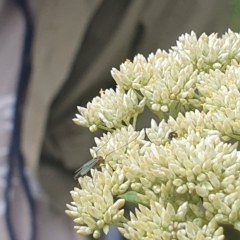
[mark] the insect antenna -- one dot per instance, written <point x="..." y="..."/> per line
<point x="102" y="146"/>
<point x="122" y="146"/>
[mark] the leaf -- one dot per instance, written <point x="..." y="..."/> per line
<point x="132" y="196"/>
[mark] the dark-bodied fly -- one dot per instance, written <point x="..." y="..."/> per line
<point x="172" y="135"/>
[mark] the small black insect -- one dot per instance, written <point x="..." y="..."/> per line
<point x="172" y="135"/>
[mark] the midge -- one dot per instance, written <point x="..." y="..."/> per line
<point x="95" y="162"/>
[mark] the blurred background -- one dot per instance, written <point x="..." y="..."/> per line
<point x="54" y="56"/>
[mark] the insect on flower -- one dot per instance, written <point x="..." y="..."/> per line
<point x="172" y="135"/>
<point x="94" y="163"/>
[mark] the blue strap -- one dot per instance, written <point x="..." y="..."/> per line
<point x="15" y="157"/>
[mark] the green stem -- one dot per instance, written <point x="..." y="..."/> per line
<point x="105" y="128"/>
<point x="140" y="97"/>
<point x="135" y="121"/>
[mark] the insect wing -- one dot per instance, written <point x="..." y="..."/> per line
<point x="83" y="170"/>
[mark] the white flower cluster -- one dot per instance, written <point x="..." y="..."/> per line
<point x="110" y="110"/>
<point x="157" y="222"/>
<point x="184" y="175"/>
<point x="93" y="205"/>
<point x="221" y="93"/>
